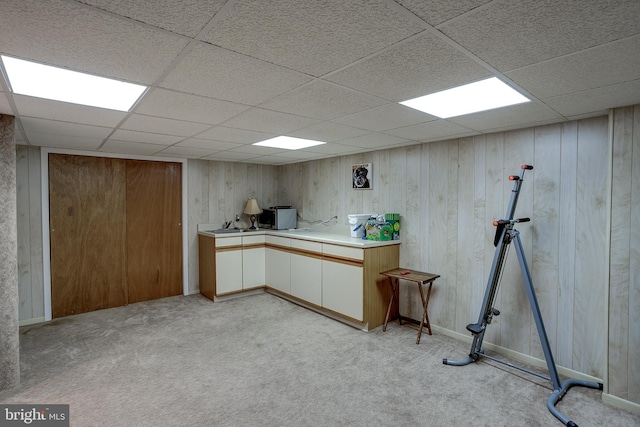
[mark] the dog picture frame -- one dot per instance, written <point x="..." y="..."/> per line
<point x="362" y="176"/>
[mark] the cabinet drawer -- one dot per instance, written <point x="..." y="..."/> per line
<point x="306" y="245"/>
<point x="280" y="241"/>
<point x="342" y="251"/>
<point x="252" y="240"/>
<point x="228" y="241"/>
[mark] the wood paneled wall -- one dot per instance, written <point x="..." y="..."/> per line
<point x="624" y="289"/>
<point x="217" y="191"/>
<point x="448" y="194"/>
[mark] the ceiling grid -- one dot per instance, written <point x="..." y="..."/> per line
<point x="223" y="75"/>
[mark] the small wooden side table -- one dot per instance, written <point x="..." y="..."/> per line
<point x="419" y="278"/>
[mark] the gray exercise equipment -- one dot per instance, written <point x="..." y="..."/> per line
<point x="505" y="234"/>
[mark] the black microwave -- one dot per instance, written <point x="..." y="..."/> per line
<point x="278" y="218"/>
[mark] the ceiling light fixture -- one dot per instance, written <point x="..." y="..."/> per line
<point x="59" y="84"/>
<point x="288" y="143"/>
<point x="471" y="98"/>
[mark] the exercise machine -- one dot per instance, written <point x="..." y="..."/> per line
<point x="505" y="235"/>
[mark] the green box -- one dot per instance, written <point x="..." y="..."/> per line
<point x="394" y="221"/>
<point x="388" y="230"/>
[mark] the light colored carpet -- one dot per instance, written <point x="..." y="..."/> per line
<point x="263" y="361"/>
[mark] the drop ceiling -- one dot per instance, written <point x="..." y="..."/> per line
<point x="225" y="74"/>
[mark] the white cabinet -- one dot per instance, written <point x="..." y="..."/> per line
<point x="306" y="271"/>
<point x="278" y="263"/>
<point x="253" y="261"/>
<point x="228" y="265"/>
<point x="240" y="262"/>
<point x="342" y="280"/>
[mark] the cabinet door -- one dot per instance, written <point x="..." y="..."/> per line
<point x="253" y="272"/>
<point x="306" y="278"/>
<point x="306" y="271"/>
<point x="278" y="269"/>
<point x="342" y="288"/>
<point x="228" y="271"/>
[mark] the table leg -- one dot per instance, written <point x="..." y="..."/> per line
<point x="424" y="311"/>
<point x="426" y="305"/>
<point x="394" y="287"/>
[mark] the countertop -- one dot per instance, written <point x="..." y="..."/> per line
<point x="303" y="234"/>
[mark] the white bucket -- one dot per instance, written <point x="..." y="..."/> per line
<point x="356" y="223"/>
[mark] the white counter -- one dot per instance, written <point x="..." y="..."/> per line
<point x="316" y="236"/>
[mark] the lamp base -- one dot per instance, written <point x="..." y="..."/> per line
<point x="253" y="222"/>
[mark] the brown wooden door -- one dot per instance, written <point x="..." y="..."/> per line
<point x="154" y="230"/>
<point x="87" y="232"/>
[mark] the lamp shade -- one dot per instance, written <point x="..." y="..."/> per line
<point x="252" y="207"/>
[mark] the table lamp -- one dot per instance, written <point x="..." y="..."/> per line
<point x="252" y="209"/>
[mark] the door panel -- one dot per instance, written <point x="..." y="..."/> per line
<point x="154" y="229"/>
<point x="87" y="233"/>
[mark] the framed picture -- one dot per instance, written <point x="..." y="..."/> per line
<point x="361" y="176"/>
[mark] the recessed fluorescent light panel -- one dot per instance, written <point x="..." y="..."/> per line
<point x="288" y="143"/>
<point x="44" y="81"/>
<point x="471" y="98"/>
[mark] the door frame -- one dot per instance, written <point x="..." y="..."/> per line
<point x="46" y="243"/>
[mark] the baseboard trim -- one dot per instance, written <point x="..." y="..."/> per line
<point x="621" y="403"/>
<point x="364" y="326"/>
<point x="33" y="321"/>
<point x="521" y="357"/>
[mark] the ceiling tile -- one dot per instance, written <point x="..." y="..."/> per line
<point x="323" y="100"/>
<point x="63" y="111"/>
<point x="18" y="135"/>
<point x="388" y="116"/>
<point x="257" y="150"/>
<point x="259" y="119"/>
<point x="146" y="137"/>
<point x="219" y="73"/>
<point x="434" y="12"/>
<point x="601" y="66"/>
<point x="596" y="101"/>
<point x="74" y="36"/>
<point x="184" y="106"/>
<point x="53" y="127"/>
<point x="186" y="17"/>
<point x="430" y="131"/>
<point x="335" y="148"/>
<point x="270" y="160"/>
<point x="420" y="66"/>
<point x="299" y="155"/>
<point x="128" y="147"/>
<point x="230" y="156"/>
<point x="509" y="34"/>
<point x="509" y="117"/>
<point x="69" y="142"/>
<point x="311" y="37"/>
<point x="222" y="133"/>
<point x="374" y="141"/>
<point x="5" y="108"/>
<point x="187" y="152"/>
<point x="207" y="144"/>
<point x="163" y="126"/>
<point x="328" y="132"/>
